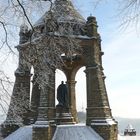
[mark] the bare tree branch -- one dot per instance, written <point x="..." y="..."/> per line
<point x="129" y="11"/>
<point x="6" y="36"/>
<point x="25" y="14"/>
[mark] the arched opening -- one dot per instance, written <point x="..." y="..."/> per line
<point x="81" y="97"/>
<point x="31" y="82"/>
<point x="59" y="76"/>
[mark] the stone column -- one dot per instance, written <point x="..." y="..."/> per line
<point x="51" y="97"/>
<point x="99" y="115"/>
<point x="98" y="110"/>
<point x="43" y="128"/>
<point x="97" y="101"/>
<point x="72" y="99"/>
<point x="35" y="96"/>
<point x="35" y="100"/>
<point x="19" y="104"/>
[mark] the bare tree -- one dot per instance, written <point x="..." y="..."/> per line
<point x="45" y="51"/>
<point x="129" y="13"/>
<point x="14" y="13"/>
<point x="4" y="86"/>
<point x="43" y="46"/>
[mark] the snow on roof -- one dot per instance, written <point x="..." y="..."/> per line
<point x="23" y="133"/>
<point x="62" y="11"/>
<point x="75" y="132"/>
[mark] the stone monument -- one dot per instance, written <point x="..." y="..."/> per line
<point x="44" y="114"/>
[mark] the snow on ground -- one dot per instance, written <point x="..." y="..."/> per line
<point x="65" y="132"/>
<point x="75" y="132"/>
<point x="128" y="137"/>
<point x="23" y="133"/>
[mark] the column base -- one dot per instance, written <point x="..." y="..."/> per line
<point x="74" y="114"/>
<point x="63" y="116"/>
<point x="43" y="130"/>
<point x="106" y="128"/>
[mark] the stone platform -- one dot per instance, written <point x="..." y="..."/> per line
<point x="63" y="132"/>
<point x="75" y="132"/>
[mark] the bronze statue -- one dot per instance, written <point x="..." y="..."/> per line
<point x="62" y="95"/>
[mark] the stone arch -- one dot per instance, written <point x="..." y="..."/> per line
<point x="70" y="69"/>
<point x="81" y="96"/>
<point x="99" y="115"/>
<point x="80" y="89"/>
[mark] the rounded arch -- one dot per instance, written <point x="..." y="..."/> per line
<point x="81" y="96"/>
<point x="75" y="70"/>
<point x="31" y="81"/>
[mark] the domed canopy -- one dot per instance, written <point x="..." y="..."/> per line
<point x="62" y="11"/>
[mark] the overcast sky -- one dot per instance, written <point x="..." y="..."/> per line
<point x="121" y="61"/>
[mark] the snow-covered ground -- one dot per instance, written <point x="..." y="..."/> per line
<point x="63" y="132"/>
<point x="128" y="137"/>
<point x="23" y="133"/>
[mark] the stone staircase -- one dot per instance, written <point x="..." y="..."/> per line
<point x="63" y="132"/>
<point x="75" y="132"/>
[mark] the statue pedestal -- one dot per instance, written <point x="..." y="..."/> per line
<point x="107" y="128"/>
<point x="63" y="116"/>
<point x="43" y="130"/>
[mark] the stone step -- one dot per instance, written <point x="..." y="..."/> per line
<point x="75" y="132"/>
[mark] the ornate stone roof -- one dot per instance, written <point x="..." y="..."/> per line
<point x="62" y="11"/>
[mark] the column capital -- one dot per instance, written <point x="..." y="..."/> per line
<point x="92" y="67"/>
<point x="71" y="82"/>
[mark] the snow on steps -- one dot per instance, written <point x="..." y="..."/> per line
<point x="23" y="133"/>
<point x="75" y="132"/>
<point x="63" y="132"/>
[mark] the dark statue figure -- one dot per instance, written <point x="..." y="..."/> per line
<point x="62" y="95"/>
